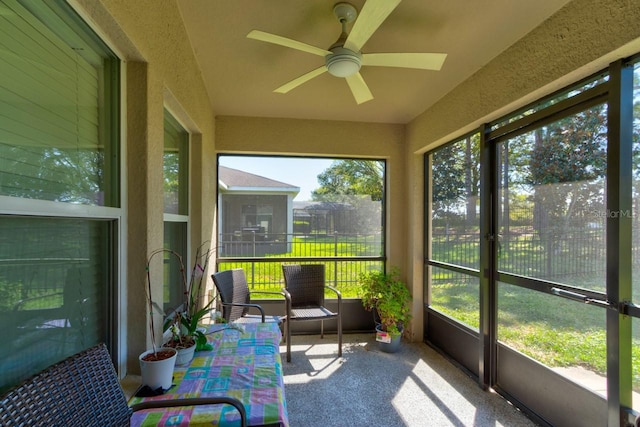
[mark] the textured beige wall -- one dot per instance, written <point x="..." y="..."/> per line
<point x="161" y="72"/>
<point x="582" y="38"/>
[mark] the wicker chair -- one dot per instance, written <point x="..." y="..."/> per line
<point x="236" y="298"/>
<point x="304" y="294"/>
<point x="83" y="390"/>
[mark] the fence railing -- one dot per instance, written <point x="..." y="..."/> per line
<point x="529" y="253"/>
<point x="261" y="255"/>
<point x="252" y="243"/>
<point x="266" y="274"/>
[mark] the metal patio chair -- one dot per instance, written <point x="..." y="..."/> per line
<point x="304" y="294"/>
<point x="236" y="298"/>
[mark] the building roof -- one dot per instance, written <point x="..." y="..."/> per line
<point x="236" y="180"/>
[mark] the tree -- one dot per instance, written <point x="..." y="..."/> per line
<point x="448" y="180"/>
<point x="358" y="184"/>
<point x="351" y="177"/>
<point x="566" y="168"/>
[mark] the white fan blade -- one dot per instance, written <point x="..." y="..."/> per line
<point x="283" y="41"/>
<point x="302" y="79"/>
<point x="359" y="88"/>
<point x="373" y="13"/>
<point x="423" y="61"/>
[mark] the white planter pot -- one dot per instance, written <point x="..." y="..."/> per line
<point x="156" y="374"/>
<point x="185" y="355"/>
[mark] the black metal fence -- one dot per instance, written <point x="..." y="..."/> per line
<point x="251" y="243"/>
<point x="266" y="274"/>
<point x="524" y="251"/>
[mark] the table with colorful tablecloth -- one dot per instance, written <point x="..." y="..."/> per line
<point x="244" y="364"/>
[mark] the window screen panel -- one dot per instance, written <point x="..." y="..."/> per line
<point x="54" y="281"/>
<point x="52" y="107"/>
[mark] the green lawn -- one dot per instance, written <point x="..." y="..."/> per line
<point x="267" y="276"/>
<point x="555" y="331"/>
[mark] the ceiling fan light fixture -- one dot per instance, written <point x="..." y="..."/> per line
<point x="343" y="62"/>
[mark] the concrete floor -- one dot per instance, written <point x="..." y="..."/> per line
<point x="365" y="387"/>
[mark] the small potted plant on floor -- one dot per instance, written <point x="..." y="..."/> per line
<point x="388" y="298"/>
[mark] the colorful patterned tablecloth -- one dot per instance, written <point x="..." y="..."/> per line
<point x="243" y="364"/>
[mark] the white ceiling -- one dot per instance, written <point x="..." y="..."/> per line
<point x="240" y="74"/>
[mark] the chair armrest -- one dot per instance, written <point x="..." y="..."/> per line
<point x="246" y="305"/>
<point x="267" y="292"/>
<point x="194" y="402"/>
<point x="339" y="295"/>
<point x="287" y="298"/>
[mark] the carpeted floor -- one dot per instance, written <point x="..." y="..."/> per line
<point x="367" y="387"/>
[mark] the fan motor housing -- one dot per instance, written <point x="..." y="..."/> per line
<point x="343" y="62"/>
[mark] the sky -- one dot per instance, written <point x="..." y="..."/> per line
<point x="297" y="171"/>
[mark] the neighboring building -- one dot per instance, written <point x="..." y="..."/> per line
<point x="355" y="215"/>
<point x="256" y="213"/>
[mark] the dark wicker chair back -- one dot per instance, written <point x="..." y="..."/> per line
<point x="82" y="390"/>
<point x="233" y="289"/>
<point x="236" y="298"/>
<point x="304" y="295"/>
<point x="305" y="283"/>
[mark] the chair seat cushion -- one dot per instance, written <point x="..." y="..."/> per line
<point x="256" y="318"/>
<point x="311" y="313"/>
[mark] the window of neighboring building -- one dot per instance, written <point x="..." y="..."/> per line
<point x="176" y="209"/>
<point x="59" y="87"/>
<point x="257" y="216"/>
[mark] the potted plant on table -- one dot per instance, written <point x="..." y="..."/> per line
<point x="388" y="298"/>
<point x="156" y="365"/>
<point x="186" y="335"/>
<point x="184" y="324"/>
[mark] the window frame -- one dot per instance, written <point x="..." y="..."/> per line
<point x="114" y="208"/>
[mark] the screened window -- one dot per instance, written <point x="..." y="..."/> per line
<point x="175" y="167"/>
<point x="454" y="228"/>
<point x="55" y="108"/>
<point x="176" y="208"/>
<point x="292" y="209"/>
<point x="58" y="143"/>
<point x="54" y="291"/>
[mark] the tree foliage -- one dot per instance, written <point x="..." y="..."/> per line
<point x="351" y="177"/>
<point x="45" y="173"/>
<point x="455" y="174"/>
<point x="567" y="167"/>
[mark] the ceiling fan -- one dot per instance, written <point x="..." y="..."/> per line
<point x="344" y="58"/>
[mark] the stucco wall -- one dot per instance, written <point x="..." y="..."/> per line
<point x="161" y="72"/>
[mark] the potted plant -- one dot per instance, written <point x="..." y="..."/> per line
<point x="186" y="336"/>
<point x="388" y="298"/>
<point x="184" y="324"/>
<point x="156" y="365"/>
